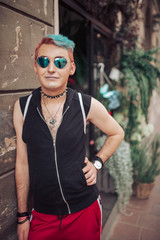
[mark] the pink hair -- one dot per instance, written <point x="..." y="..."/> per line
<point x="50" y="41"/>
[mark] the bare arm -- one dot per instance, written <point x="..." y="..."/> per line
<point x="21" y="171"/>
<point x="99" y="116"/>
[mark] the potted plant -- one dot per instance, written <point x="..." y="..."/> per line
<point x="146" y="166"/>
<point x="120" y="168"/>
<point x="139" y="78"/>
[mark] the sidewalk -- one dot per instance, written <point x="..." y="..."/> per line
<point x="143" y="220"/>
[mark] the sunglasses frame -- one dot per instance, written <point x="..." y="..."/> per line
<point x="39" y="59"/>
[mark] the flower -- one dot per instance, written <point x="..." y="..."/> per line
<point x="147" y="130"/>
<point x="136" y="137"/>
<point x="91" y="142"/>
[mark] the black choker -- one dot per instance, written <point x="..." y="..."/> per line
<point x="53" y="97"/>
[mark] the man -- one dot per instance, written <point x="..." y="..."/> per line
<point x="50" y="126"/>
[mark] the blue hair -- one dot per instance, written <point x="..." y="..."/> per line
<point x="62" y="41"/>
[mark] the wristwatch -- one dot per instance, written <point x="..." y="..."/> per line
<point x="97" y="162"/>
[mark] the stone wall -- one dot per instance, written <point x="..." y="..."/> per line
<point x="22" y="25"/>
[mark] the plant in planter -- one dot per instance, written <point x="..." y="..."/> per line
<point x="119" y="166"/>
<point x="139" y="79"/>
<point x="146" y="166"/>
<point x="137" y="84"/>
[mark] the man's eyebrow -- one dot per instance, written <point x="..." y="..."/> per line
<point x="43" y="56"/>
<point x="59" y="57"/>
<point x="54" y="57"/>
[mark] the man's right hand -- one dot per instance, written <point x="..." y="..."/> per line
<point x="23" y="230"/>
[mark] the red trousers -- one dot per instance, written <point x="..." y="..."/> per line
<point x="82" y="225"/>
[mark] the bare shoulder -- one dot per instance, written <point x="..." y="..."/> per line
<point x="100" y="117"/>
<point x="97" y="109"/>
<point x="21" y="155"/>
<point x="17" y="115"/>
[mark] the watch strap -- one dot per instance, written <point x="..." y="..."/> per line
<point x="98" y="159"/>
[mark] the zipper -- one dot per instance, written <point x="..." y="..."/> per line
<point x="55" y="154"/>
<point x="60" y="185"/>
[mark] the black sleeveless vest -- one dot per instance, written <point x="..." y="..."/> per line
<point x="57" y="181"/>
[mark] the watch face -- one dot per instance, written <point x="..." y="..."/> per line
<point x="98" y="164"/>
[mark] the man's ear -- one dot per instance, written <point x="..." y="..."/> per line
<point x="73" y="68"/>
<point x="35" y="67"/>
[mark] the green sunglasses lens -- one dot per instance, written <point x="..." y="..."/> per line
<point x="60" y="62"/>
<point x="43" y="62"/>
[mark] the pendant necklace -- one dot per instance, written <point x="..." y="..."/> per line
<point x="52" y="121"/>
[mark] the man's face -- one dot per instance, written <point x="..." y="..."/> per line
<point x="51" y="77"/>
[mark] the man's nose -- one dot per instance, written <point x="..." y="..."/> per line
<point x="51" y="67"/>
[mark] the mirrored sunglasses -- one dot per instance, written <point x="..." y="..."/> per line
<point x="58" y="62"/>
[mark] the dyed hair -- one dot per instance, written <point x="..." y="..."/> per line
<point x="60" y="41"/>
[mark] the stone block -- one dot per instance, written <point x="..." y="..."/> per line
<point x="42" y="9"/>
<point x="8" y="207"/>
<point x="19" y="38"/>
